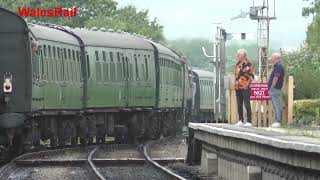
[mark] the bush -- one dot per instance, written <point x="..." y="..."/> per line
<point x="303" y="65"/>
<point x="307" y="111"/>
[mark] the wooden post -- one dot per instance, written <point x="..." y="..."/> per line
<point x="265" y="108"/>
<point x="270" y="113"/>
<point x="233" y="101"/>
<point x="234" y="108"/>
<point x="254" y="113"/>
<point x="290" y="99"/>
<point x="228" y="117"/>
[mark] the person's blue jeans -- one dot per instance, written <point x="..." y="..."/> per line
<point x="275" y="95"/>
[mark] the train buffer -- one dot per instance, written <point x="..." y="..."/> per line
<point x="249" y="153"/>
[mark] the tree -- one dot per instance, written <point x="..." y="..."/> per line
<point x="130" y="20"/>
<point x="304" y="65"/>
<point x="313" y="32"/>
<point x="191" y="48"/>
<point x="95" y="13"/>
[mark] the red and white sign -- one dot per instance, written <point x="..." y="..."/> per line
<point x="259" y="91"/>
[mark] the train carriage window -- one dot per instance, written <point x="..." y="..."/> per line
<point x="65" y="64"/>
<point x="142" y="71"/>
<point x="78" y="56"/>
<point x="59" y="53"/>
<point x="131" y="72"/>
<point x="111" y="56"/>
<point x="44" y="50"/>
<point x="70" y="66"/>
<point x="38" y="51"/>
<point x="50" y="64"/>
<point x="122" y="56"/>
<point x="124" y="69"/>
<point x="88" y="66"/>
<point x="54" y="52"/>
<point x="69" y="54"/>
<point x="73" y="55"/>
<point x="73" y="65"/>
<point x="96" y="55"/>
<point x="61" y="65"/>
<point x="104" y="56"/>
<point x="49" y="51"/>
<point x="65" y="54"/>
<point x="35" y="63"/>
<point x="136" y="66"/>
<point x="41" y="68"/>
<point x="146" y="64"/>
<point x="118" y="56"/>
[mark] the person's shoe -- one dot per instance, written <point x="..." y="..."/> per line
<point x="276" y="125"/>
<point x="247" y="124"/>
<point x="240" y="123"/>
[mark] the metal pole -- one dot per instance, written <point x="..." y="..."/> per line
<point x="222" y="75"/>
<point x="217" y="66"/>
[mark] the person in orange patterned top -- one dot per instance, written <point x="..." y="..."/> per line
<point x="244" y="75"/>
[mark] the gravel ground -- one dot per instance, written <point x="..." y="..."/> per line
<point x="170" y="148"/>
<point x="191" y="172"/>
<point x="117" y="152"/>
<point x="49" y="173"/>
<point x="67" y="154"/>
<point x="132" y="172"/>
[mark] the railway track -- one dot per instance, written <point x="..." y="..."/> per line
<point x="101" y="162"/>
<point x="129" y="162"/>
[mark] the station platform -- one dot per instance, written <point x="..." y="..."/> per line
<point x="235" y="152"/>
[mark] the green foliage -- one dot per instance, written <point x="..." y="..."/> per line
<point x="304" y="65"/>
<point x="313" y="33"/>
<point x="130" y="20"/>
<point x="95" y="13"/>
<point x="307" y="111"/>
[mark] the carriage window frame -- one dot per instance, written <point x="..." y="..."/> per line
<point x="118" y="57"/>
<point x="111" y="56"/>
<point x="59" y="53"/>
<point x="49" y="51"/>
<point x="69" y="54"/>
<point x="73" y="55"/>
<point x="146" y="68"/>
<point x="54" y="52"/>
<point x="65" y="57"/>
<point x="96" y="54"/>
<point x="136" y="67"/>
<point x="104" y="56"/>
<point x="44" y="50"/>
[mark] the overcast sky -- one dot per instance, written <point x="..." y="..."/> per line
<point x="194" y="19"/>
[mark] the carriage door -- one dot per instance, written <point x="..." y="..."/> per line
<point x="126" y="78"/>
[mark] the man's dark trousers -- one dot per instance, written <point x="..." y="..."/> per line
<point x="243" y="96"/>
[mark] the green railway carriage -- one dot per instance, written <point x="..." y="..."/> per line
<point x="203" y="95"/>
<point x="56" y="77"/>
<point x="171" y="79"/>
<point x="63" y="84"/>
<point x="120" y="70"/>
